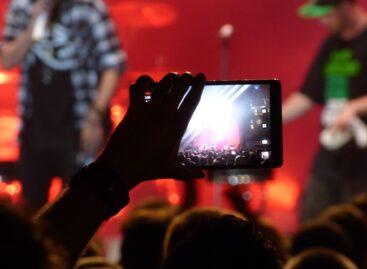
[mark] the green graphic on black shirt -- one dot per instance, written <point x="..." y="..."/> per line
<point x="338" y="71"/>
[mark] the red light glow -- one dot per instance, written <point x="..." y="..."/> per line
<point x="7" y="77"/>
<point x="139" y="14"/>
<point x="55" y="188"/>
<point x="283" y="193"/>
<point x="8" y="138"/>
<point x="171" y="190"/>
<point x="117" y="113"/>
<point x="174" y="198"/>
<point x="13" y="190"/>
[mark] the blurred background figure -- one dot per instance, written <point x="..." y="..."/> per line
<point x="337" y="79"/>
<point x="70" y="61"/>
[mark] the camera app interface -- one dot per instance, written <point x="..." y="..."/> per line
<point x="230" y="127"/>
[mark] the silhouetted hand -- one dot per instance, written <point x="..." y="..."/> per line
<point x="145" y="144"/>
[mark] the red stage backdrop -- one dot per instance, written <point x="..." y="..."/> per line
<point x="270" y="41"/>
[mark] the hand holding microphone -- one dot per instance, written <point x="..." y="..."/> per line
<point x="41" y="15"/>
<point x="346" y="126"/>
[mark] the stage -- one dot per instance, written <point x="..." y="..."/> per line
<point x="173" y="35"/>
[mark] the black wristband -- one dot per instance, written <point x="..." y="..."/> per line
<point x="105" y="182"/>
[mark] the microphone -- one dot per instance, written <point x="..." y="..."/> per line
<point x="40" y="26"/>
<point x="226" y="31"/>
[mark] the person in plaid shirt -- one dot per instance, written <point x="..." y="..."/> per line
<point x="67" y="80"/>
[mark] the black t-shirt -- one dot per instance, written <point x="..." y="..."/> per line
<point x="339" y="71"/>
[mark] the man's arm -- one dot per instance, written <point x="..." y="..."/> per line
<point x="296" y="106"/>
<point x="354" y="108"/>
<point x="110" y="61"/>
<point x="13" y="52"/>
<point x="311" y="90"/>
<point x="359" y="105"/>
<point x="107" y="87"/>
<point x="143" y="147"/>
<point x="92" y="133"/>
<point x="71" y="221"/>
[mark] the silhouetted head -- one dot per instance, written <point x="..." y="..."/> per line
<point x="95" y="262"/>
<point x="221" y="241"/>
<point x="270" y="233"/>
<point x="152" y="204"/>
<point x="360" y="201"/>
<point x="320" y="258"/>
<point x="185" y="224"/>
<point x="20" y="247"/>
<point x="321" y="233"/>
<point x="337" y="15"/>
<point x="341" y="16"/>
<point x="354" y="224"/>
<point x="143" y="236"/>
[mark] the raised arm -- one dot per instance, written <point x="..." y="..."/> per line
<point x="143" y="147"/>
<point x="14" y="51"/>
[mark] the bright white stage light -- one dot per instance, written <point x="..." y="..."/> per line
<point x="215" y="118"/>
